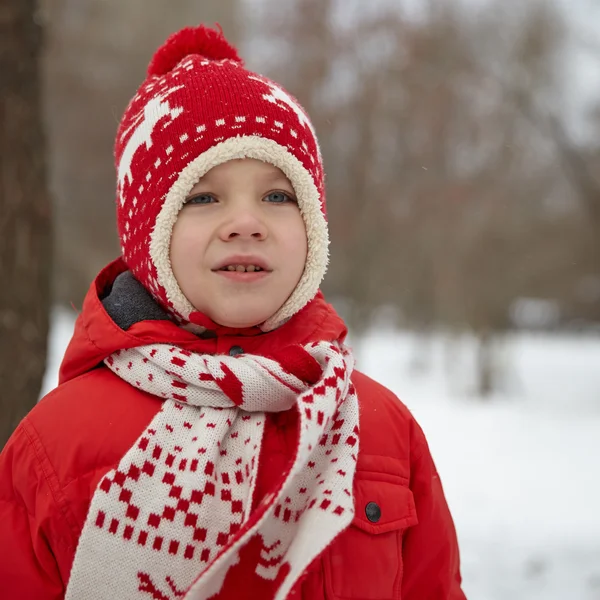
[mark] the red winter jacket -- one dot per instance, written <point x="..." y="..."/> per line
<point x="52" y="464"/>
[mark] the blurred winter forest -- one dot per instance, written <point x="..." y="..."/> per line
<point x="459" y="140"/>
<point x="463" y="187"/>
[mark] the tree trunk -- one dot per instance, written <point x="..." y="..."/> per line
<point x="25" y="216"/>
<point x="486" y="365"/>
<point x="421" y="359"/>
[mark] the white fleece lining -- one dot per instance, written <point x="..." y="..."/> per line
<point x="307" y="194"/>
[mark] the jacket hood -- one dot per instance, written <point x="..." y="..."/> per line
<point x="97" y="336"/>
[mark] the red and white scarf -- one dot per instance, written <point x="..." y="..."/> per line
<point x="172" y="518"/>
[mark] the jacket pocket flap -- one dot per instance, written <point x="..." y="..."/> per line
<point x="382" y="506"/>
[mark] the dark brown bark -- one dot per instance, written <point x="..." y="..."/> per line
<point x="25" y="216"/>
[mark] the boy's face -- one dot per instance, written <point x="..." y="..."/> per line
<point x="241" y="215"/>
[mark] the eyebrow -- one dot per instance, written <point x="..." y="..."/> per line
<point x="270" y="177"/>
<point x="278" y="176"/>
<point x="275" y="175"/>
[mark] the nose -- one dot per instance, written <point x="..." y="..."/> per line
<point x="243" y="223"/>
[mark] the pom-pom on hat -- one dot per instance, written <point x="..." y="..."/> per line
<point x="201" y="41"/>
<point x="198" y="108"/>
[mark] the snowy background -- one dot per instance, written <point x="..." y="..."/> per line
<point x="520" y="470"/>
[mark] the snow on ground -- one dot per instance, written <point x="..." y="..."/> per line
<point x="61" y="328"/>
<point x="520" y="471"/>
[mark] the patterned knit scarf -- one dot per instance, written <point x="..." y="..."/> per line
<point x="173" y="517"/>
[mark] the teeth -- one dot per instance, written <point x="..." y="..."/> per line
<point x="242" y="268"/>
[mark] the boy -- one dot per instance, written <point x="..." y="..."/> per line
<point x="209" y="437"/>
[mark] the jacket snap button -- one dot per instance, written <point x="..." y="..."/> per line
<point x="373" y="512"/>
<point x="235" y="350"/>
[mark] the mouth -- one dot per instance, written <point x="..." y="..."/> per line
<point x="243" y="264"/>
<point x="241" y="269"/>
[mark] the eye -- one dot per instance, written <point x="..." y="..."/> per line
<point x="279" y="198"/>
<point x="201" y="199"/>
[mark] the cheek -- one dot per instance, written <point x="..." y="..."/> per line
<point x="296" y="246"/>
<point x="187" y="242"/>
<point x="176" y="250"/>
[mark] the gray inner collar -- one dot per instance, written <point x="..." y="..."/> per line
<point x="128" y="302"/>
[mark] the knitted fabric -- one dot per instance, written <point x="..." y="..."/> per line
<point x="198" y="108"/>
<point x="176" y="514"/>
<point x="129" y="302"/>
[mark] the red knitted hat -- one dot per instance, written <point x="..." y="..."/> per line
<point x="198" y="108"/>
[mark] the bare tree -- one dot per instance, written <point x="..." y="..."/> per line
<point x="442" y="192"/>
<point x="25" y="215"/>
<point x="581" y="166"/>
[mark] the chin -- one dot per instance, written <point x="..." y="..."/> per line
<point x="241" y="313"/>
<point x="239" y="323"/>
